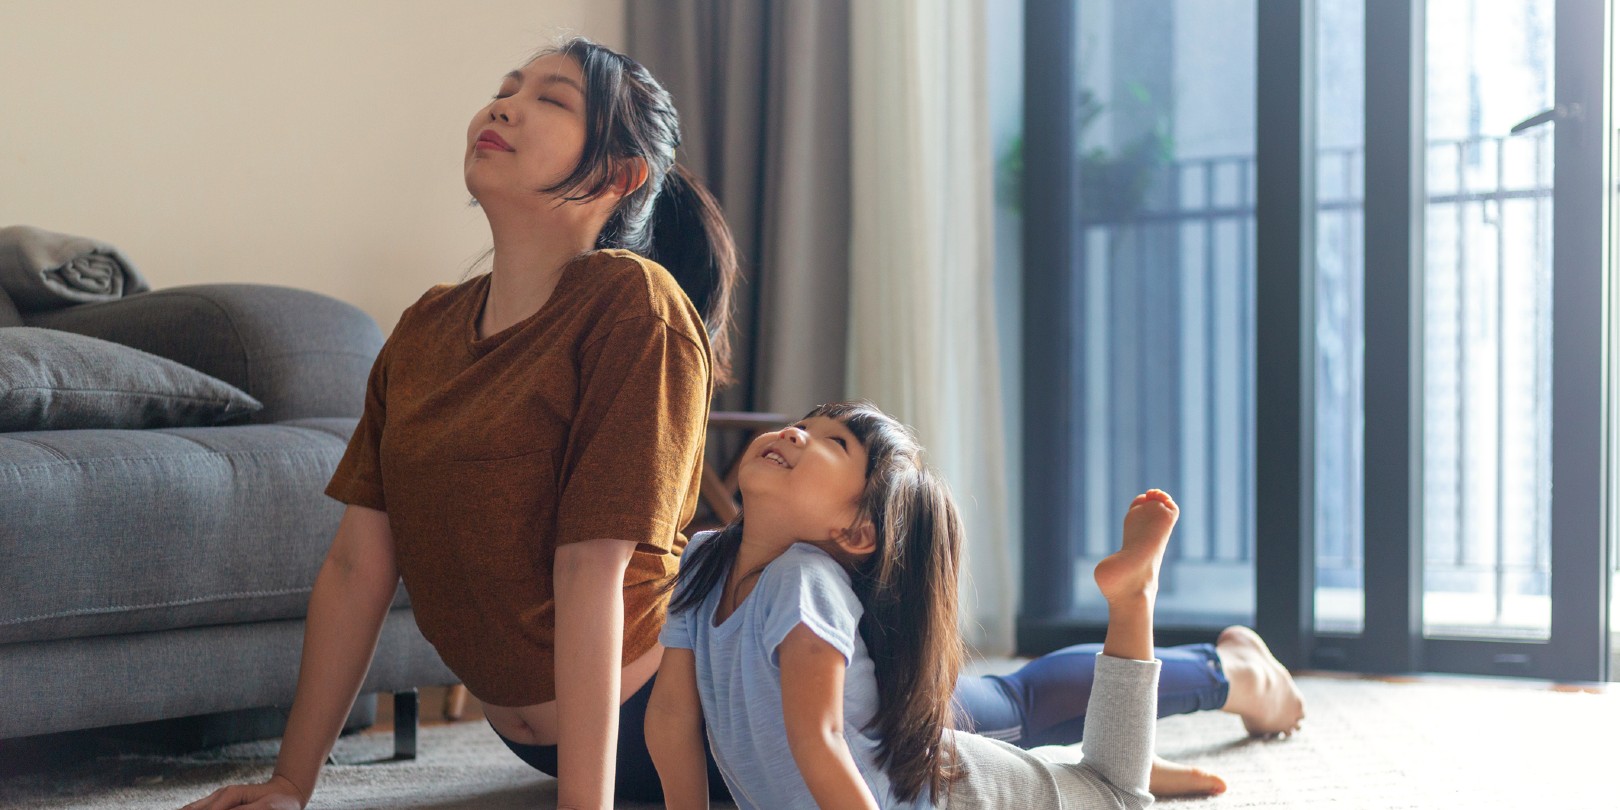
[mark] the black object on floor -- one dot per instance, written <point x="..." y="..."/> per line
<point x="406" y="712"/>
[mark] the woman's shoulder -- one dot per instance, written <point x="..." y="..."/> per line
<point x="447" y="293"/>
<point x="439" y="298"/>
<point x="625" y="284"/>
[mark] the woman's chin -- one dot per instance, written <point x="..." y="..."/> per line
<point x="487" y="195"/>
<point x="474" y="187"/>
<point x="481" y="177"/>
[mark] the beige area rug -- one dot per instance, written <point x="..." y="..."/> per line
<point x="1366" y="744"/>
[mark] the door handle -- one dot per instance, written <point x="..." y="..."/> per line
<point x="1560" y="112"/>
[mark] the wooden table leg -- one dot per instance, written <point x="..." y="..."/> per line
<point x="455" y="702"/>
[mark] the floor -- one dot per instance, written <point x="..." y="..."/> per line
<point x="1376" y="743"/>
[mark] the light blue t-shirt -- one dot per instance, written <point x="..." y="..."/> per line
<point x="740" y="678"/>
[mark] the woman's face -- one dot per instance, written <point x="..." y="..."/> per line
<point x="808" y="478"/>
<point x="531" y="134"/>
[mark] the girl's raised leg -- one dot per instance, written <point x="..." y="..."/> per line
<point x="1119" y="721"/>
<point x="1129" y="578"/>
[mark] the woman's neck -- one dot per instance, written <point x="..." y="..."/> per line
<point x="528" y="261"/>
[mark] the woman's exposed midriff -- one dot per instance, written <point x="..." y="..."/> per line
<point x="537" y="724"/>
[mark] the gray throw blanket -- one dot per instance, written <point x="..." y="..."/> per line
<point x="42" y="270"/>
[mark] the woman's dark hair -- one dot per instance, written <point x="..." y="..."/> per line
<point x="672" y="219"/>
<point x="907" y="587"/>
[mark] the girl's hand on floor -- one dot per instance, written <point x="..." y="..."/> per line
<point x="275" y="794"/>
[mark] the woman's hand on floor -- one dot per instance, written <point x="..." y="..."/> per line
<point x="278" y="793"/>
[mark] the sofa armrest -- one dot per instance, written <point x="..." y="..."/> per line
<point x="300" y="353"/>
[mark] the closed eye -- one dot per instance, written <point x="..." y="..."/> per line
<point x="543" y="99"/>
<point x="841" y="443"/>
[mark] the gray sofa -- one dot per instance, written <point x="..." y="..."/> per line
<point x="151" y="574"/>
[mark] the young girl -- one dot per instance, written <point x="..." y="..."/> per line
<point x="816" y="639"/>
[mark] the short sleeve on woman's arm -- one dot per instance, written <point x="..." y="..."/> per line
<point x="358" y="479"/>
<point x="631" y="465"/>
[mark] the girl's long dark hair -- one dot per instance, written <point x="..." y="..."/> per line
<point x="907" y="587"/>
<point x="672" y="219"/>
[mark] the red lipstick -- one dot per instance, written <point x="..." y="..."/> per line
<point x="488" y="139"/>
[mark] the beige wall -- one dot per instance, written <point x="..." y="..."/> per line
<point x="307" y="143"/>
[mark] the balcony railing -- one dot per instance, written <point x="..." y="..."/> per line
<point x="1164" y="383"/>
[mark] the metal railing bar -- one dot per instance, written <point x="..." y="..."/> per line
<point x="1211" y="458"/>
<point x="1501" y="388"/>
<point x="1460" y="267"/>
<point x="1198" y="209"/>
<point x="1247" y="212"/>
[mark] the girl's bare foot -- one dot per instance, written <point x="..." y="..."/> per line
<point x="1171" y="780"/>
<point x="1134" y="569"/>
<point x="1262" y="692"/>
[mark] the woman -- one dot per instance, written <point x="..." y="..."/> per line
<point x="532" y="439"/>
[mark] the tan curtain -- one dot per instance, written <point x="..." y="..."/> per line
<point x="922" y="309"/>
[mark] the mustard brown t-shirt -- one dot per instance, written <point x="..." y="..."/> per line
<point x="583" y="421"/>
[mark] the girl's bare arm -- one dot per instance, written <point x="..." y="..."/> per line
<point x="813" y="715"/>
<point x="674" y="727"/>
<point x="589" y="587"/>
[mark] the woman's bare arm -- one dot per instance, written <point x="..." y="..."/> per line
<point x="352" y="594"/>
<point x="588" y="579"/>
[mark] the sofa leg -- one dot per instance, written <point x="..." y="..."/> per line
<point x="406" y="712"/>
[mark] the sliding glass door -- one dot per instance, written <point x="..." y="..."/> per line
<point x="1144" y="313"/>
<point x="1456" y="424"/>
<point x="1403" y="256"/>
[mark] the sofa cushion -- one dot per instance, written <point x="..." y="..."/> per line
<point x="107" y="680"/>
<point x="53" y="380"/>
<point x="122" y="531"/>
<point x="300" y="353"/>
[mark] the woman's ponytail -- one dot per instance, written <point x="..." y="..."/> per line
<point x="671" y="219"/>
<point x="691" y="240"/>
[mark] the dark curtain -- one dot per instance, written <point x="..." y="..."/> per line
<point x="763" y="93"/>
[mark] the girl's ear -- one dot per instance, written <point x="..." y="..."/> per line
<point x="860" y="539"/>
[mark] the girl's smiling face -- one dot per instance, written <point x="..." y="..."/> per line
<point x="531" y="134"/>
<point x="806" y="479"/>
